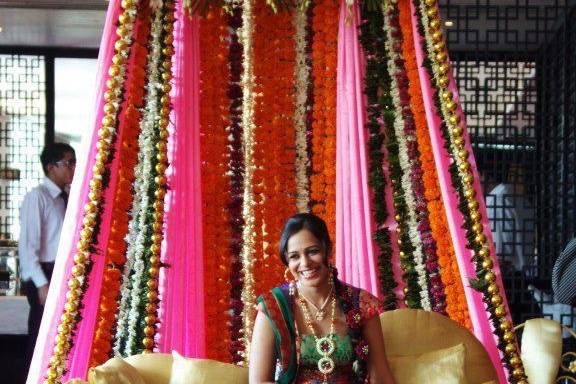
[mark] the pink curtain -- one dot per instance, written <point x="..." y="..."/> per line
<point x="181" y="309"/>
<point x="354" y="247"/>
<point x="70" y="235"/>
<point x="478" y="315"/>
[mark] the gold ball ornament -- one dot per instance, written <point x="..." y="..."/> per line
<point x="522" y="381"/>
<point x="477" y="227"/>
<point x="114" y="70"/>
<point x="74" y="283"/>
<point x="464" y="167"/>
<point x="155" y="249"/>
<point x="515" y="360"/>
<point x="453" y="120"/>
<point x="151" y="308"/>
<point x="451" y="105"/>
<point x="432" y="13"/>
<point x="487" y="265"/>
<point x="463" y="154"/>
<point x="510" y="348"/>
<point x="160" y="167"/>
<point x="492" y="288"/>
<point x="155" y="260"/>
<point x="490" y="277"/>
<point x="149" y="331"/>
<point x="52" y="373"/>
<point x="152" y="296"/>
<point x="459" y="142"/>
<point x="150" y="319"/>
<point x="457" y="131"/>
<point x="166" y="87"/>
<point x="443" y="68"/>
<point x="168" y="39"/>
<point x="160" y="180"/>
<point x="496" y="299"/>
<point x="500" y="311"/>
<point x="480" y="239"/>
<point x="122" y="31"/>
<point x="109" y="95"/>
<point x="484" y="252"/>
<point x="505" y="325"/>
<point x="118" y="59"/>
<point x="475" y="216"/>
<point x="518" y="372"/>
<point x="468" y="179"/>
<point x="107" y="121"/>
<point x="169" y="28"/>
<point x="441" y="57"/>
<point x="167" y="65"/>
<point x="152" y="284"/>
<point x="163" y="122"/>
<point x="153" y="271"/>
<point x="71" y="306"/>
<point x="78" y="270"/>
<point x="127" y="4"/>
<point x="435" y="24"/>
<point x="430" y="3"/>
<point x="437" y="36"/>
<point x="443" y="81"/>
<point x="119" y="46"/>
<point x="439" y="46"/>
<point x="468" y="192"/>
<point x="508" y="336"/>
<point x="160" y="193"/>
<point x="168" y="51"/>
<point x="148" y="342"/>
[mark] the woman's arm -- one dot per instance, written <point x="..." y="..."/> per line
<point x="262" y="359"/>
<point x="377" y="364"/>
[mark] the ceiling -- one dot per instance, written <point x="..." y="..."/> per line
<point x="52" y="23"/>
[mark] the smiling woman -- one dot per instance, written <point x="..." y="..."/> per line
<point x="315" y="327"/>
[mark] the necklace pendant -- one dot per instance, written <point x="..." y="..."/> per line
<point x="320" y="315"/>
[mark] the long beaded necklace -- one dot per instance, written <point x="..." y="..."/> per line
<point x="324" y="345"/>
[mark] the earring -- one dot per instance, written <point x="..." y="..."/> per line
<point x="331" y="274"/>
<point x="291" y="282"/>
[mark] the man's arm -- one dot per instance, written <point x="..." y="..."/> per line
<point x="30" y="242"/>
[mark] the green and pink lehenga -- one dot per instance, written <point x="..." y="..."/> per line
<point x="297" y="356"/>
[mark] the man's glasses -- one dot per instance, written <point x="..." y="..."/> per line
<point x="67" y="163"/>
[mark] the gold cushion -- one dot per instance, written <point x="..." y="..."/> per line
<point x="114" y="371"/>
<point x="155" y="368"/>
<point x="409" y="332"/>
<point x="200" y="371"/>
<point x="444" y="366"/>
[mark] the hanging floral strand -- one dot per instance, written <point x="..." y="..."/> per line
<point x="246" y="34"/>
<point x="456" y="306"/>
<point x="88" y="234"/>
<point x="236" y="166"/>
<point x="372" y="40"/>
<point x="462" y="177"/>
<point x="132" y="290"/>
<point x="302" y="76"/>
<point x="433" y="297"/>
<point x="127" y="153"/>
<point x="214" y="74"/>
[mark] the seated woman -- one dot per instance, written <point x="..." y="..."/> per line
<point x="315" y="328"/>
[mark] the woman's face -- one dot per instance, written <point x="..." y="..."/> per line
<point x="307" y="259"/>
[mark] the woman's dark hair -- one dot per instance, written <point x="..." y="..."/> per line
<point x="302" y="221"/>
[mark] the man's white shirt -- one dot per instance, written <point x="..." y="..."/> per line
<point x="41" y="217"/>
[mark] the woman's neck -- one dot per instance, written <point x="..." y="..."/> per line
<point x="317" y="294"/>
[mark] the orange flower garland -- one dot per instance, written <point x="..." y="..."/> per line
<point x="324" y="62"/>
<point x="456" y="305"/>
<point x="274" y="155"/>
<point x="216" y="228"/>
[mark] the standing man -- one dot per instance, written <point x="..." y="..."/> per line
<point x="41" y="217"/>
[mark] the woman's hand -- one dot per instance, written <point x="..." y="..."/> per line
<point x="262" y="352"/>
<point x="377" y="364"/>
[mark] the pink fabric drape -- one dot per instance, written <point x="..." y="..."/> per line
<point x="476" y="308"/>
<point x="70" y="235"/>
<point x="354" y="247"/>
<point x="182" y="326"/>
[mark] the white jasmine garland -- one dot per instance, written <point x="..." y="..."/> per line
<point x="405" y="165"/>
<point x="138" y="227"/>
<point x="302" y="75"/>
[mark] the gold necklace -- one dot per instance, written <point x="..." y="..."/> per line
<point x="324" y="345"/>
<point x="320" y="313"/>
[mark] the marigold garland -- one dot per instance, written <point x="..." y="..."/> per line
<point x="214" y="72"/>
<point x="274" y="155"/>
<point x="93" y="208"/>
<point x="324" y="62"/>
<point x="456" y="305"/>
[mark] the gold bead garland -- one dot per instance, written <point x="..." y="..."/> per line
<point x="449" y="107"/>
<point x="106" y="134"/>
<point x="160" y="180"/>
